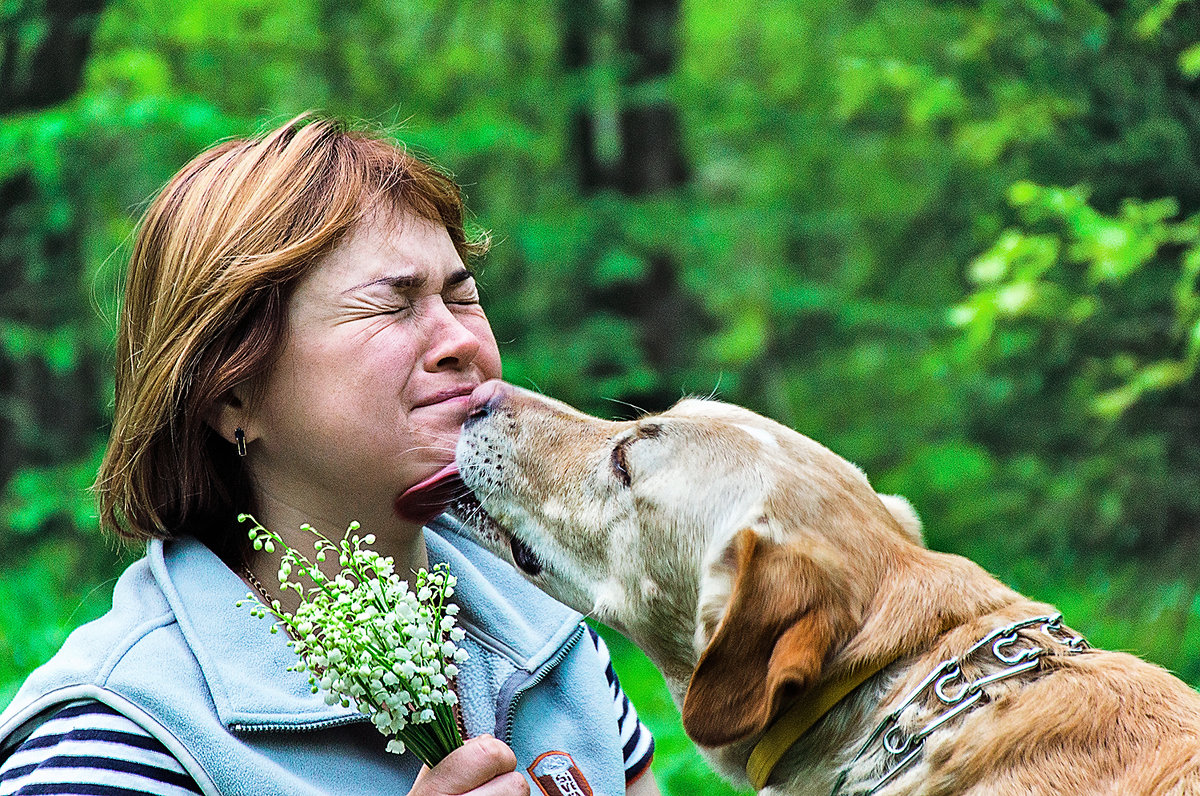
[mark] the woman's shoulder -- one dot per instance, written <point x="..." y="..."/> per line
<point x="93" y="650"/>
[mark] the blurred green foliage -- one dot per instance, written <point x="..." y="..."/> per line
<point x="862" y="238"/>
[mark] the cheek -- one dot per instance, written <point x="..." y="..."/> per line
<point x="285" y="396"/>
<point x="488" y="358"/>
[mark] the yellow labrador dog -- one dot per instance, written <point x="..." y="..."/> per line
<point x="813" y="644"/>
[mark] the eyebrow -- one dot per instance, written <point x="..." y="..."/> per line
<point x="411" y="282"/>
<point x="649" y="430"/>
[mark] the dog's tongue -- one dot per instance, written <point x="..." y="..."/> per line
<point x="424" y="501"/>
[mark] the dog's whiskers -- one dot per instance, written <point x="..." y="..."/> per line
<point x="436" y="448"/>
<point x="634" y="407"/>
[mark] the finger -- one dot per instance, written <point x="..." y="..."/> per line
<point x="477" y="761"/>
<point x="418" y="786"/>
<point x="510" y="784"/>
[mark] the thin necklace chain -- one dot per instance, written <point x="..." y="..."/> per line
<point x="256" y="583"/>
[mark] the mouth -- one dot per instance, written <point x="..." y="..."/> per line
<point x="493" y="535"/>
<point x="460" y="393"/>
<point x="524" y="558"/>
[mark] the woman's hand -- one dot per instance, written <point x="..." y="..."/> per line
<point x="483" y="766"/>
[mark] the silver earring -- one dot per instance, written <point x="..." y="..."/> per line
<point x="239" y="437"/>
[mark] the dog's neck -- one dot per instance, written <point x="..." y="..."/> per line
<point x="794" y="723"/>
<point x="926" y="588"/>
<point x="665" y="630"/>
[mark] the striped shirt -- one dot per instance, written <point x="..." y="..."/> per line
<point x="88" y="749"/>
<point x="637" y="742"/>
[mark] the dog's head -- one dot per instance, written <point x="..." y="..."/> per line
<point x="737" y="553"/>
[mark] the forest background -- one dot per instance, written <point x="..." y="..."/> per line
<point x="956" y="242"/>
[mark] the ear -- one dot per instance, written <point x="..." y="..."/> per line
<point x="230" y="413"/>
<point x="781" y="622"/>
<point x="903" y="512"/>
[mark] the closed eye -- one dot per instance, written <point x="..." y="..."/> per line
<point x="617" y="460"/>
<point x="461" y="289"/>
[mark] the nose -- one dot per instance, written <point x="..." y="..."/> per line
<point x="452" y="344"/>
<point x="485" y="399"/>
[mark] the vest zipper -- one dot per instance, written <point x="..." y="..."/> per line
<point x="509" y="713"/>
<point x="315" y="725"/>
<point x="535" y="678"/>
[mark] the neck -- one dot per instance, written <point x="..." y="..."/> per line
<point x="403" y="542"/>
<point x="850" y="697"/>
<point x="795" y="722"/>
<point x="964" y="594"/>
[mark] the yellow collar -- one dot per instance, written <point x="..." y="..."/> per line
<point x="794" y="722"/>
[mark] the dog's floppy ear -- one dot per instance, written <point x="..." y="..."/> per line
<point x="781" y="621"/>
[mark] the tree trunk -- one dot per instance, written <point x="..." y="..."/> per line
<point x="48" y="414"/>
<point x="635" y="149"/>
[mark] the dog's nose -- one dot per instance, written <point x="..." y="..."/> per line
<point x="484" y="400"/>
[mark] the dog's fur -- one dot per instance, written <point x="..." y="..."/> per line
<point x="753" y="565"/>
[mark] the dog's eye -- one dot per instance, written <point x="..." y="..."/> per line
<point x="618" y="463"/>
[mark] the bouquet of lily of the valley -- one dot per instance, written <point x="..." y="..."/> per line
<point x="367" y="638"/>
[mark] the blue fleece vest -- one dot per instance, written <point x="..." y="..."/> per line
<point x="210" y="682"/>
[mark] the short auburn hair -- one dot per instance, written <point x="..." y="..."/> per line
<point x="215" y="258"/>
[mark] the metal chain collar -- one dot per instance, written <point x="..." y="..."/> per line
<point x="951" y="688"/>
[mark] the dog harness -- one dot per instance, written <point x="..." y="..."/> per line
<point x="947" y="687"/>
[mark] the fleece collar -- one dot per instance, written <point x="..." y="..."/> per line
<point x="245" y="665"/>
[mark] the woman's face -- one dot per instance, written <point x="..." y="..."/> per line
<point x="386" y="342"/>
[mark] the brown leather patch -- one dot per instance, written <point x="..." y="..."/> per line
<point x="557" y="775"/>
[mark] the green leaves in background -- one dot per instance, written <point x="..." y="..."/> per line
<point x="1085" y="326"/>
<point x="838" y="214"/>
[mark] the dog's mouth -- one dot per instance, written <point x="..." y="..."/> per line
<point x="523" y="557"/>
<point x="493" y="535"/>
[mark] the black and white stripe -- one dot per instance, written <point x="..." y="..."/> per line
<point x="88" y="749"/>
<point x="636" y="739"/>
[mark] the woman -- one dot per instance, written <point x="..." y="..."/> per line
<point x="299" y="338"/>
